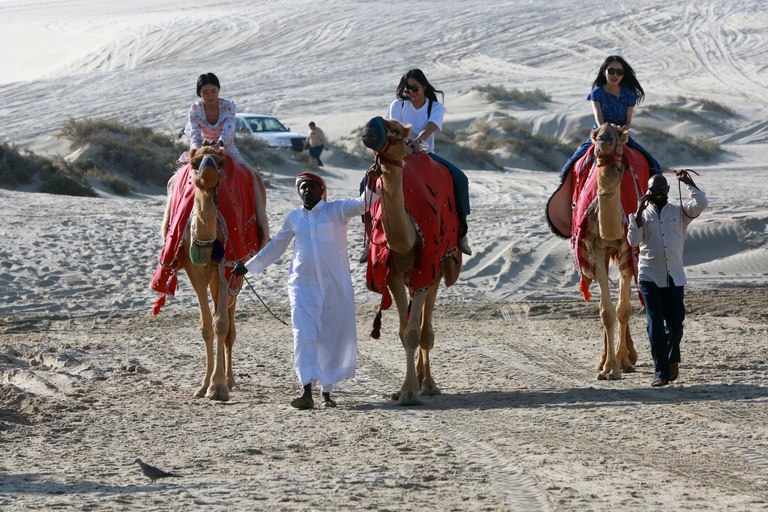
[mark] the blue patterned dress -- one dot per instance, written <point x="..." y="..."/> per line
<point x="614" y="111"/>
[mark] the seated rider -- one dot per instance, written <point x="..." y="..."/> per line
<point x="417" y="105"/>
<point x="615" y="92"/>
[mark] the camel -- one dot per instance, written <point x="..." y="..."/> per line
<point x="404" y="243"/>
<point x="202" y="255"/>
<point x="600" y="238"/>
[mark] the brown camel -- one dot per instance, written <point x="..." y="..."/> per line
<point x="415" y="321"/>
<point x="610" y="244"/>
<point x="204" y="233"/>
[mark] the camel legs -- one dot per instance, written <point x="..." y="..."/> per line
<point x="426" y="342"/>
<point x="199" y="283"/>
<point x="410" y="328"/>
<point x="229" y="343"/>
<point x="218" y="389"/>
<point x="611" y="369"/>
<point x="625" y="354"/>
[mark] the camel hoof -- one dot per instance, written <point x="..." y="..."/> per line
<point x="200" y="393"/>
<point x="614" y="376"/>
<point x="429" y="391"/>
<point x="633" y="359"/>
<point x="219" y="393"/>
<point x="628" y="369"/>
<point x="601" y="376"/>
<point x="231" y="384"/>
<point x="409" y="398"/>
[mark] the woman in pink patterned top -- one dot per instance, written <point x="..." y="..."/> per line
<point x="213" y="118"/>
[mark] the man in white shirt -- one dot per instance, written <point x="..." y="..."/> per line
<point x="658" y="228"/>
<point x="319" y="286"/>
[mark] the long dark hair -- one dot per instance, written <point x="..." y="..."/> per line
<point x="205" y="79"/>
<point x="418" y="75"/>
<point x="628" y="82"/>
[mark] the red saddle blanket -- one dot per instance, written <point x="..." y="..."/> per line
<point x="429" y="201"/>
<point x="585" y="228"/>
<point x="237" y="216"/>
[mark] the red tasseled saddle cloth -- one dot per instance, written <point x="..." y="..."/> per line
<point x="585" y="231"/>
<point x="428" y="191"/>
<point x="237" y="215"/>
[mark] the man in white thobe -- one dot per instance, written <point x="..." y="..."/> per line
<point x="319" y="286"/>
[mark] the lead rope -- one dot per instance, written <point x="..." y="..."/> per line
<point x="679" y="174"/>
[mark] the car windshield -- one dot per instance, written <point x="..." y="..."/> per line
<point x="265" y="124"/>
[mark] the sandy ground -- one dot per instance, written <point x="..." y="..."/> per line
<point x="89" y="380"/>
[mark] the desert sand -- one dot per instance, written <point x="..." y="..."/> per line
<point x="90" y="380"/>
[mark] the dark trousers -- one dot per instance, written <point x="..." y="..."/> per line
<point x="314" y="152"/>
<point x="665" y="311"/>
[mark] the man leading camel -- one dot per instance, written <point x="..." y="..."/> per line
<point x="319" y="286"/>
<point x="658" y="228"/>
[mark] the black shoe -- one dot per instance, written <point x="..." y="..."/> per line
<point x="364" y="257"/>
<point x="659" y="382"/>
<point x="463" y="246"/>
<point x="674" y="371"/>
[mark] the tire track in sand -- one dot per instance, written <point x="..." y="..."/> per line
<point x="508" y="477"/>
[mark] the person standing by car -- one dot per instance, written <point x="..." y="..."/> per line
<point x="658" y="229"/>
<point x="212" y="118"/>
<point x="316" y="142"/>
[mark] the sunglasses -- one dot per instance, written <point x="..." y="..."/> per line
<point x="412" y="88"/>
<point x="615" y="71"/>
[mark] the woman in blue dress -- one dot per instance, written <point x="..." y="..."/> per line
<point x="615" y="92"/>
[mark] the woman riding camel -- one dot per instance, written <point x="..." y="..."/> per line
<point x="213" y="119"/>
<point x="417" y="105"/>
<point x="615" y="92"/>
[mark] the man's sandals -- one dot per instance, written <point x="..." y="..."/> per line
<point x="303" y="403"/>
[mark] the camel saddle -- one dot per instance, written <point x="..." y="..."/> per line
<point x="237" y="215"/>
<point x="572" y="209"/>
<point x="429" y="201"/>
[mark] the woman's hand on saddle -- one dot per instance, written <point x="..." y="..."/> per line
<point x="415" y="145"/>
<point x="240" y="269"/>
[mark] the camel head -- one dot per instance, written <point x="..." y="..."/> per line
<point x="207" y="163"/>
<point x="385" y="138"/>
<point x="609" y="139"/>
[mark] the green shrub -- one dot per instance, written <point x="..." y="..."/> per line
<point x="66" y="185"/>
<point x="499" y="94"/>
<point x="146" y="155"/>
<point x="654" y="139"/>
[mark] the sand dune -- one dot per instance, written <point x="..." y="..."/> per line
<point x="88" y="378"/>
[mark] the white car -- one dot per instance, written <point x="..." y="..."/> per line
<point x="265" y="128"/>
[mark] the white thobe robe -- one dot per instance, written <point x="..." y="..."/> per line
<point x="319" y="289"/>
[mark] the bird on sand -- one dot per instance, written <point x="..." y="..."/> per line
<point x="152" y="472"/>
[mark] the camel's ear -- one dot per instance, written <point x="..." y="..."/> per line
<point x="623" y="135"/>
<point x="406" y="131"/>
<point x="192" y="153"/>
<point x="221" y="152"/>
<point x="593" y="135"/>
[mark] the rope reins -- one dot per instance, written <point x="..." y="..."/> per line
<point x="683" y="173"/>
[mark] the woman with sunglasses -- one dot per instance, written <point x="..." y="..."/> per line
<point x="615" y="92"/>
<point x="417" y="105"/>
